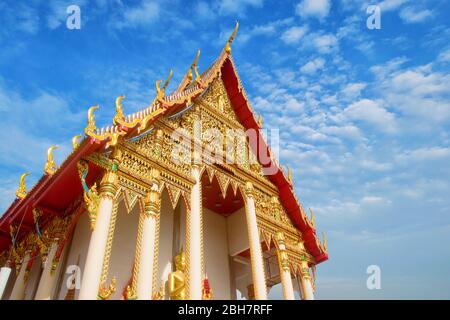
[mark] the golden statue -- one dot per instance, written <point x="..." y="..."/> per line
<point x="176" y="281"/>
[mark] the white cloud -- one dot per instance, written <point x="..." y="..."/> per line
<point x="425" y="154"/>
<point x="419" y="92"/>
<point x="444" y="56"/>
<point x="263" y="30"/>
<point x="345" y="131"/>
<point x="325" y="43"/>
<point x="353" y="90"/>
<point x="145" y="13"/>
<point x="374" y="200"/>
<point x="313" y="66"/>
<point x="238" y="6"/>
<point x="204" y="10"/>
<point x="313" y="8"/>
<point x="293" y="34"/>
<point x="390" y="5"/>
<point x="371" y="112"/>
<point x="414" y="15"/>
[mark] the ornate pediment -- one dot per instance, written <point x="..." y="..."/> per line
<point x="216" y="97"/>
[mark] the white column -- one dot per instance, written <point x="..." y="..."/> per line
<point x="195" y="238"/>
<point x="283" y="265"/>
<point x="145" y="247"/>
<point x="96" y="252"/>
<point x="18" y="292"/>
<point x="4" y="276"/>
<point x="259" y="278"/>
<point x="48" y="276"/>
<point x="307" y="288"/>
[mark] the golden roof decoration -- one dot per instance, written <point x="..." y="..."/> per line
<point x="228" y="44"/>
<point x="22" y="190"/>
<point x="313" y="223"/>
<point x="75" y="141"/>
<point x="50" y="166"/>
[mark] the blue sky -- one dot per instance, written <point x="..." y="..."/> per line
<point x="364" y="115"/>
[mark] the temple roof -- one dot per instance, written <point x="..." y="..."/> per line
<point x="54" y="193"/>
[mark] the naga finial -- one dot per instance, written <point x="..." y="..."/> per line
<point x="160" y="92"/>
<point x="193" y="65"/>
<point x="50" y="166"/>
<point x="91" y="119"/>
<point x="228" y="44"/>
<point x="324" y="237"/>
<point x="260" y="120"/>
<point x="22" y="190"/>
<point x="75" y="141"/>
<point x="312" y="218"/>
<point x="289" y="175"/>
<point x="167" y="80"/>
<point x="198" y="79"/>
<point x="119" y="110"/>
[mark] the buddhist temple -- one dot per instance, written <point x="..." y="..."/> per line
<point x="184" y="199"/>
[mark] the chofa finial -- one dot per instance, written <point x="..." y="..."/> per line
<point x="289" y="174"/>
<point x="91" y="120"/>
<point x="75" y="141"/>
<point x="193" y="66"/>
<point x="312" y="218"/>
<point x="50" y="165"/>
<point x="119" y="110"/>
<point x="22" y="190"/>
<point x="227" y="45"/>
<point x="160" y="92"/>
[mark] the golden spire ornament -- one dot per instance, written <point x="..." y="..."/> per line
<point x="192" y="67"/>
<point x="289" y="174"/>
<point x="22" y="190"/>
<point x="91" y="127"/>
<point x="50" y="166"/>
<point x="228" y="44"/>
<point x="119" y="110"/>
<point x="160" y="92"/>
<point x="75" y="141"/>
<point x="312" y="218"/>
<point x="260" y="120"/>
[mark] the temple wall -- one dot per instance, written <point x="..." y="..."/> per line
<point x="216" y="253"/>
<point x="165" y="240"/>
<point x="33" y="279"/>
<point x="237" y="232"/>
<point x="77" y="252"/>
<point x="123" y="249"/>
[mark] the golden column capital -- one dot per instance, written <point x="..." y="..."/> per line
<point x="283" y="258"/>
<point x="249" y="189"/>
<point x="109" y="183"/>
<point x="152" y="204"/>
<point x="280" y="238"/>
<point x="155" y="177"/>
